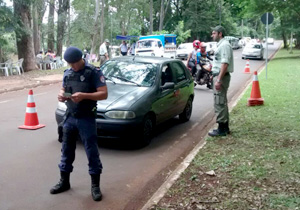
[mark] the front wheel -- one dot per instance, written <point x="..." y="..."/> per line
<point x="146" y="132"/>
<point x="187" y="112"/>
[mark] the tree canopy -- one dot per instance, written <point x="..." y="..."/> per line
<point x="86" y="24"/>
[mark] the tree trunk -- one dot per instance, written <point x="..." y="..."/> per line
<point x="151" y="16"/>
<point x="163" y="11"/>
<point x="50" y="44"/>
<point x="102" y="21"/>
<point x="41" y="9"/>
<point x="62" y="13"/>
<point x="96" y="18"/>
<point x="161" y="15"/>
<point x="24" y="34"/>
<point x="36" y="31"/>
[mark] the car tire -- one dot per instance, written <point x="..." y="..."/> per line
<point x="147" y="130"/>
<point x="187" y="112"/>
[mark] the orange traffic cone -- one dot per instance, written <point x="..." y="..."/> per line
<point x="31" y="119"/>
<point x="255" y="97"/>
<point x="247" y="68"/>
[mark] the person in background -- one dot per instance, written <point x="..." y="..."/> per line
<point x="124" y="48"/>
<point x="50" y="54"/>
<point x="132" y="48"/>
<point x="191" y="61"/>
<point x="221" y="69"/>
<point x="40" y="55"/>
<point x="103" y="51"/>
<point x="83" y="85"/>
<point x="86" y="54"/>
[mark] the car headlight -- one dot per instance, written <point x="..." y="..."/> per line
<point x="120" y="114"/>
<point x="61" y="106"/>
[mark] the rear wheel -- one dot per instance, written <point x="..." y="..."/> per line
<point x="187" y="112"/>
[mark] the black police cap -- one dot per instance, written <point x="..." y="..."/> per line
<point x="73" y="55"/>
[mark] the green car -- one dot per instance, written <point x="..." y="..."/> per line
<point x="142" y="93"/>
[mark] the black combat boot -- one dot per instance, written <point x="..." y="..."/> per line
<point x="96" y="192"/>
<point x="221" y="131"/>
<point x="63" y="184"/>
<point x="226" y="127"/>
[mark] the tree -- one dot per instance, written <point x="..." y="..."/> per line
<point x="6" y="22"/>
<point x="24" y="33"/>
<point x="96" y="23"/>
<point x="50" y="42"/>
<point x="151" y="16"/>
<point x="163" y="11"/>
<point x="62" y="13"/>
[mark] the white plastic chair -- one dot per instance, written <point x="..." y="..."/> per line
<point x="48" y="61"/>
<point x="5" y="67"/>
<point x="39" y="61"/>
<point x="17" y="66"/>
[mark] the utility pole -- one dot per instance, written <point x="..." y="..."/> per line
<point x="242" y="28"/>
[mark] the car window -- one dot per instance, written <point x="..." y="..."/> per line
<point x="257" y="46"/>
<point x="143" y="74"/>
<point x="179" y="72"/>
<point x="166" y="75"/>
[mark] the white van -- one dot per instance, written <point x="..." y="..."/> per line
<point x="157" y="45"/>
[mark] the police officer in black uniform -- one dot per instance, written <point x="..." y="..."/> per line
<point x="83" y="86"/>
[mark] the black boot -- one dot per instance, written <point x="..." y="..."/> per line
<point x="221" y="131"/>
<point x="226" y="127"/>
<point x="63" y="184"/>
<point x="96" y="192"/>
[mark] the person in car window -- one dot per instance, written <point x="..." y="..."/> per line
<point x="221" y="69"/>
<point x="83" y="85"/>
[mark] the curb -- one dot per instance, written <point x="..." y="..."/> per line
<point x="40" y="83"/>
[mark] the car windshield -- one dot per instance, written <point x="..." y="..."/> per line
<point x="253" y="46"/>
<point x="141" y="74"/>
<point x="147" y="44"/>
<point x="183" y="46"/>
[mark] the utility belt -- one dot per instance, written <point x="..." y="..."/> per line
<point x="217" y="73"/>
<point x="84" y="114"/>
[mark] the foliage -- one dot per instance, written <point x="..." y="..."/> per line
<point x="131" y="17"/>
<point x="181" y="34"/>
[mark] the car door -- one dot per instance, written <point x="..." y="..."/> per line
<point x="182" y="86"/>
<point x="165" y="105"/>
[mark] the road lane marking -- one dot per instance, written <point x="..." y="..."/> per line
<point x="2" y="102"/>
<point x="40" y="94"/>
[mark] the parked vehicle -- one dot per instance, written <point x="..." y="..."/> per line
<point x="211" y="47"/>
<point x="184" y="50"/>
<point x="142" y="93"/>
<point x="270" y="41"/>
<point x="163" y="45"/>
<point x="234" y="42"/>
<point x="253" y="51"/>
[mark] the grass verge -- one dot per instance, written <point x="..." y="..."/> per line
<point x="258" y="165"/>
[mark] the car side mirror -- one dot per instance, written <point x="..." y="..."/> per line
<point x="168" y="85"/>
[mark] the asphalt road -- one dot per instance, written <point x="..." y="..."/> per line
<point x="29" y="159"/>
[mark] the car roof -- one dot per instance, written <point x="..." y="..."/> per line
<point x="146" y="59"/>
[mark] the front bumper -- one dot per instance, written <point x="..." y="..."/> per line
<point x="110" y="128"/>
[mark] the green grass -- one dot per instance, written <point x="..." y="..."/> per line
<point x="258" y="166"/>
